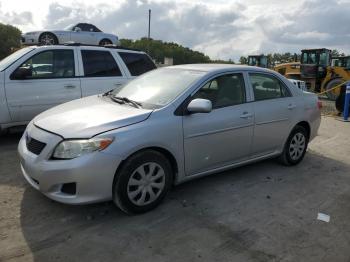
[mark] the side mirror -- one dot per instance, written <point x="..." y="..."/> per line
<point x="77" y="29"/>
<point x="21" y="73"/>
<point x="199" y="105"/>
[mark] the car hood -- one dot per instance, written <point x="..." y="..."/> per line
<point x="86" y="117"/>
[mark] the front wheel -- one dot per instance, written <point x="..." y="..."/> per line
<point x="48" y="39"/>
<point x="104" y="42"/>
<point x="142" y="182"/>
<point x="295" y="147"/>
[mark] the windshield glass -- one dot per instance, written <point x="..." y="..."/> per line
<point x="159" y="87"/>
<point x="69" y="28"/>
<point x="9" y="60"/>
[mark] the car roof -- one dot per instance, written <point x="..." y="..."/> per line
<point x="220" y="67"/>
<point x="68" y="46"/>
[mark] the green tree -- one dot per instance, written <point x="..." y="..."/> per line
<point x="243" y="60"/>
<point x="158" y="49"/>
<point x="9" y="38"/>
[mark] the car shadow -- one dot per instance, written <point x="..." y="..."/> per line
<point x="261" y="212"/>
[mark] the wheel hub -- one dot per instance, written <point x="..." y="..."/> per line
<point x="146" y="184"/>
<point x="297" y="146"/>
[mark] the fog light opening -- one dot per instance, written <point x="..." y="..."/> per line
<point x="69" y="188"/>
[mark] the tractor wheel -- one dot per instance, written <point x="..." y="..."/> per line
<point x="332" y="95"/>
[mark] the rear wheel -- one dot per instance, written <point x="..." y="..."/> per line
<point x="295" y="147"/>
<point x="48" y="39"/>
<point x="104" y="42"/>
<point x="332" y="95"/>
<point x="142" y="182"/>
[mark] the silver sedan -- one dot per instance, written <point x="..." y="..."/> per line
<point x="164" y="128"/>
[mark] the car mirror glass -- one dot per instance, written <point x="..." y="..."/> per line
<point x="77" y="29"/>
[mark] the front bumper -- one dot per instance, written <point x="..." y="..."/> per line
<point x="92" y="174"/>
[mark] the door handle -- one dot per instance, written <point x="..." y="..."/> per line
<point x="70" y="86"/>
<point x="118" y="84"/>
<point x="291" y="106"/>
<point x="246" y="115"/>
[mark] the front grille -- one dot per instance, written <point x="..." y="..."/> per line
<point x="34" y="145"/>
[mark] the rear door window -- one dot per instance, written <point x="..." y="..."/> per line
<point x="137" y="63"/>
<point x="267" y="87"/>
<point x="99" y="64"/>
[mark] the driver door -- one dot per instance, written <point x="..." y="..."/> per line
<point x="84" y="35"/>
<point x="223" y="136"/>
<point x="50" y="80"/>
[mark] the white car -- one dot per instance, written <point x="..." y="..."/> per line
<point x="82" y="33"/>
<point x="35" y="79"/>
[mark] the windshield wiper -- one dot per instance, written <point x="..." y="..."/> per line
<point x="123" y="100"/>
<point x="108" y="93"/>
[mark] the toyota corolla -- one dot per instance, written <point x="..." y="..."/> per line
<point x="168" y="126"/>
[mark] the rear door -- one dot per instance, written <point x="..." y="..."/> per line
<point x="50" y="80"/>
<point x="274" y="109"/>
<point x="101" y="71"/>
<point x="223" y="136"/>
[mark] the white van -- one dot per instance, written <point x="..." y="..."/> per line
<point x="37" y="78"/>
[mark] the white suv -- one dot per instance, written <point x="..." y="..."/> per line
<point x="35" y="79"/>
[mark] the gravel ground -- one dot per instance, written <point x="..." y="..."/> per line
<point x="262" y="212"/>
<point x="328" y="107"/>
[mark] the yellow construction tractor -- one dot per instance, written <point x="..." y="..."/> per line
<point x="290" y="70"/>
<point x="258" y="60"/>
<point x="320" y="72"/>
<point x="320" y="75"/>
<point x="342" y="61"/>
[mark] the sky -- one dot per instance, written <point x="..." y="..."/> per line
<point x="222" y="29"/>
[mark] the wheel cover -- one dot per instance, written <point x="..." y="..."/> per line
<point x="146" y="184"/>
<point x="47" y="39"/>
<point x="297" y="146"/>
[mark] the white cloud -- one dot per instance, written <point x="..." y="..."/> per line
<point x="220" y="28"/>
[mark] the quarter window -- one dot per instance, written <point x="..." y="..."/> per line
<point x="267" y="87"/>
<point x="99" y="64"/>
<point x="222" y="91"/>
<point x="137" y="63"/>
<point x="47" y="64"/>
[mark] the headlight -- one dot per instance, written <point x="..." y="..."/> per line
<point x="69" y="149"/>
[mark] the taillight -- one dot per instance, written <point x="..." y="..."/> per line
<point x="319" y="104"/>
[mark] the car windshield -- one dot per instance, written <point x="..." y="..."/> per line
<point x="9" y="60"/>
<point x="70" y="27"/>
<point x="159" y="87"/>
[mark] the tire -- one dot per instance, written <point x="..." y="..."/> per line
<point x="48" y="39"/>
<point x="332" y="95"/>
<point x="105" y="41"/>
<point x="292" y="155"/>
<point x="135" y="180"/>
